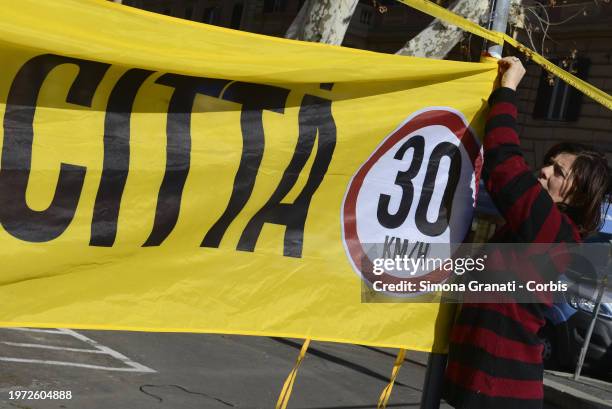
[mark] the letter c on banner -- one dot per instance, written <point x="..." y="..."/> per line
<point x="15" y="215"/>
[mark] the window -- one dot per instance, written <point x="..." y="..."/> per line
<point x="236" y="16"/>
<point x="365" y="17"/>
<point x="189" y="13"/>
<point x="167" y="12"/>
<point x="556" y="100"/>
<point x="210" y="15"/>
<point x="274" y="6"/>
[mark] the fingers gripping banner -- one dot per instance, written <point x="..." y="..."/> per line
<point x="163" y="175"/>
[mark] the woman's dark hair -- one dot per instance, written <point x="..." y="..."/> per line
<point x="591" y="184"/>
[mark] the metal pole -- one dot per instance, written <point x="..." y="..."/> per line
<point x="434" y="377"/>
<point x="499" y="22"/>
<point x="587" y="338"/>
<point x="436" y="363"/>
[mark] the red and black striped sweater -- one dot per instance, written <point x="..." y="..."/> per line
<point x="495" y="357"/>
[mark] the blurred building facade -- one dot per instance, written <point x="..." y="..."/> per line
<point x="369" y="28"/>
<point x="550" y="110"/>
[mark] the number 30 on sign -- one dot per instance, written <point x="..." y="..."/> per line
<point x="414" y="196"/>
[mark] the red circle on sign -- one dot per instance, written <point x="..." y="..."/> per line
<point x="430" y="117"/>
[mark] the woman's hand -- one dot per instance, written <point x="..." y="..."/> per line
<point x="511" y="72"/>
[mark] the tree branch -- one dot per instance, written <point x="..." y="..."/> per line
<point x="439" y="38"/>
<point x="324" y="21"/>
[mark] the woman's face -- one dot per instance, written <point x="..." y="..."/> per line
<point x="556" y="178"/>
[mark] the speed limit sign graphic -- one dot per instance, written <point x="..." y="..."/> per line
<point x="414" y="197"/>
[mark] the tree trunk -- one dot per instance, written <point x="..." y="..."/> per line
<point x="439" y="37"/>
<point x="323" y="21"/>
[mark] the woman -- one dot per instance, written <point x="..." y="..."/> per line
<point x="495" y="358"/>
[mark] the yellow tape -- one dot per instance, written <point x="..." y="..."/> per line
<point x="441" y="13"/>
<point x="581" y="85"/>
<point x="285" y="394"/>
<point x="386" y="393"/>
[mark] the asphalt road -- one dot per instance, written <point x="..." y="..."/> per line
<point x="128" y="370"/>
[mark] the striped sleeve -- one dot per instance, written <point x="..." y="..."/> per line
<point x="528" y="209"/>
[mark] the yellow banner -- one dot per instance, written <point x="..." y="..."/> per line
<point x="163" y="175"/>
